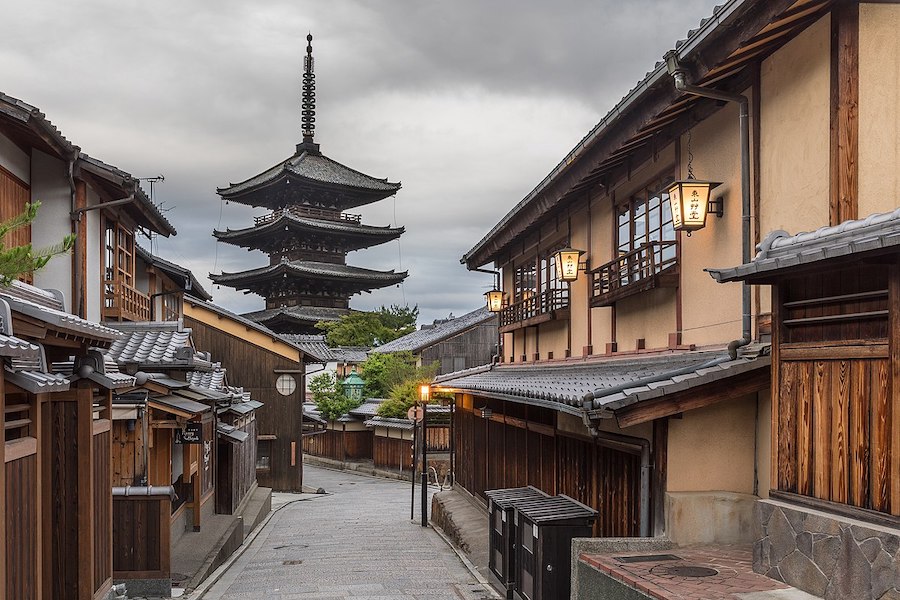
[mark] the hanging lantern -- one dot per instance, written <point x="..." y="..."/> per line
<point x="425" y="393"/>
<point x="494" y="300"/>
<point x="567" y="263"/>
<point x="689" y="200"/>
<point x="353" y="386"/>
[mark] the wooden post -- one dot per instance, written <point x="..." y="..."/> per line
<point x="843" y="204"/>
<point x="85" y="502"/>
<point x="894" y="358"/>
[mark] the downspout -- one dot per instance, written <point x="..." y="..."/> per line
<point x="679" y="76"/>
<point x="77" y="275"/>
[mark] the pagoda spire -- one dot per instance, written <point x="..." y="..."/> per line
<point x="308" y="103"/>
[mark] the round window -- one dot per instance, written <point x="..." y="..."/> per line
<point x="286" y="385"/>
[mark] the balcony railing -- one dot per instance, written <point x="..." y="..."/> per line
<point x="652" y="265"/>
<point x="124" y="303"/>
<point x="535" y="309"/>
<point x="312" y="213"/>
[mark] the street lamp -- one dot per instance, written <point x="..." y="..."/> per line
<point x="567" y="263"/>
<point x="424" y="397"/>
<point x="353" y="386"/>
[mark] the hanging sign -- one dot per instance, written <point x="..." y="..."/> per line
<point x="192" y="433"/>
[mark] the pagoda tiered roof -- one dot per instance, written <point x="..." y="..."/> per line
<point x="310" y="178"/>
<point x="270" y="230"/>
<point x="320" y="275"/>
<point x="291" y="319"/>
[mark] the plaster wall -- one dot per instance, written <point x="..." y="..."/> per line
<point x="579" y="290"/>
<point x="649" y="316"/>
<point x="713" y="448"/>
<point x="711" y="312"/>
<point x="50" y="186"/>
<point x="554" y="337"/>
<point x="795" y="117"/>
<point x="94" y="276"/>
<point x="879" y="108"/>
<point x="764" y="443"/>
<point x="14" y="160"/>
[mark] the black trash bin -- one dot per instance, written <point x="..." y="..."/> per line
<point x="502" y="531"/>
<point x="544" y="531"/>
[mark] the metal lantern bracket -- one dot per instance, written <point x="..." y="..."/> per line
<point x="717" y="207"/>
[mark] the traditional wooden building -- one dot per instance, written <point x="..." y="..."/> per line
<point x="454" y="343"/>
<point x="272" y="370"/>
<point x="56" y="503"/>
<point x="629" y="379"/>
<point x="307" y="235"/>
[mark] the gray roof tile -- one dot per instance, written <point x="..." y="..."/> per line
<point x="312" y="269"/>
<point x="425" y="337"/>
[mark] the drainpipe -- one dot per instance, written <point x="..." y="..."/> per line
<point x="77" y="275"/>
<point x="679" y="74"/>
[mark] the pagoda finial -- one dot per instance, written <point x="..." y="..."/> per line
<point x="309" y="101"/>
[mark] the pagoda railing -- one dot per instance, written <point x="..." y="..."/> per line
<point x="539" y="307"/>
<point x="310" y="212"/>
<point x="652" y="265"/>
<point x="124" y="303"/>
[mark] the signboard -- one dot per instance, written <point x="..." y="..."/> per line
<point x="414" y="413"/>
<point x="192" y="433"/>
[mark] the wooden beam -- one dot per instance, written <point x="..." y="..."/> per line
<point x="844" y="189"/>
<point x="85" y="500"/>
<point x="694" y="398"/>
<point x="79" y="296"/>
<point x="894" y="303"/>
<point x="3" y="538"/>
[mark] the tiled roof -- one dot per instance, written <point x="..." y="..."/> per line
<point x="26" y="113"/>
<point x="565" y="386"/>
<point x="48" y="308"/>
<point x="780" y="251"/>
<point x="288" y="219"/>
<point x="423" y="338"/>
<point x="313" y="346"/>
<point x="213" y="379"/>
<point x="403" y="424"/>
<point x="350" y="354"/>
<point x="36" y="381"/>
<point x="314" y="167"/>
<point x="13" y="346"/>
<point x="95" y="367"/>
<point x="312" y="269"/>
<point x="157" y="345"/>
<point x="304" y="314"/>
<point x="192" y="284"/>
<point x="368" y="408"/>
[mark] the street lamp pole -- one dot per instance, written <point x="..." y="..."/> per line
<point x="424" y="393"/>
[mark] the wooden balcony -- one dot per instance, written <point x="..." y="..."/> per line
<point x="653" y="265"/>
<point x="546" y="306"/>
<point x="309" y="212"/>
<point x="122" y="302"/>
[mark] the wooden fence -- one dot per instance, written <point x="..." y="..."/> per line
<point x="141" y="544"/>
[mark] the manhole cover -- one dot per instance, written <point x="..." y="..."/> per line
<point x="293" y="562"/>
<point x="646" y="558"/>
<point x="176" y="577"/>
<point x="690" y="571"/>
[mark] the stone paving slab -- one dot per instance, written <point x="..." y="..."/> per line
<point x="356" y="543"/>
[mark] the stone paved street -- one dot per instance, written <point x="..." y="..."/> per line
<point x="357" y="542"/>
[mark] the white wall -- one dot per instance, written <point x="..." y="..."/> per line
<point x="50" y="186"/>
<point x="14" y="160"/>
<point x="94" y="277"/>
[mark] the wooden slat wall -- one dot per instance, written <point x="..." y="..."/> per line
<point x="102" y="509"/>
<point x="128" y="453"/>
<point x="14" y="194"/>
<point x="61" y="464"/>
<point x="392" y="453"/>
<point x="356" y="444"/>
<point x="21" y="528"/>
<point x="508" y="451"/>
<point x="140" y="544"/>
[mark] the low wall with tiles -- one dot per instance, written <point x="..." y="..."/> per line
<point x="827" y="555"/>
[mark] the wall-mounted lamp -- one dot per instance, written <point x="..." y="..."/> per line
<point x="425" y="393"/>
<point x="568" y="263"/>
<point x="494" y="300"/>
<point x="690" y="203"/>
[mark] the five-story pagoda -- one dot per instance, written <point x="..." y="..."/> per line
<point x="307" y="235"/>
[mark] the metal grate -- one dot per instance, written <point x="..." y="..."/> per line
<point x="647" y="558"/>
<point x="292" y="562"/>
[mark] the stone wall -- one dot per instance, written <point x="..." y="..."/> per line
<point x="827" y="555"/>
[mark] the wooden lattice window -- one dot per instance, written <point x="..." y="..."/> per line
<point x="644" y="218"/>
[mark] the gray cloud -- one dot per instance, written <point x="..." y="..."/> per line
<point x="468" y="103"/>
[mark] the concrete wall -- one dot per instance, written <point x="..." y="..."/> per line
<point x="795" y="115"/>
<point x="50" y="186"/>
<point x="14" y="160"/>
<point x="879" y="108"/>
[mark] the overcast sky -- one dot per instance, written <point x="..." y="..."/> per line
<point x="468" y="103"/>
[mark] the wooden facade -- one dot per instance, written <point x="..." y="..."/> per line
<point x="836" y="431"/>
<point x="257" y="361"/>
<point x="337" y="443"/>
<point x="236" y="466"/>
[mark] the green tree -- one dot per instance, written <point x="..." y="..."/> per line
<point x="329" y="397"/>
<point x="384" y="371"/>
<point x="370" y="328"/>
<point x="21" y="260"/>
